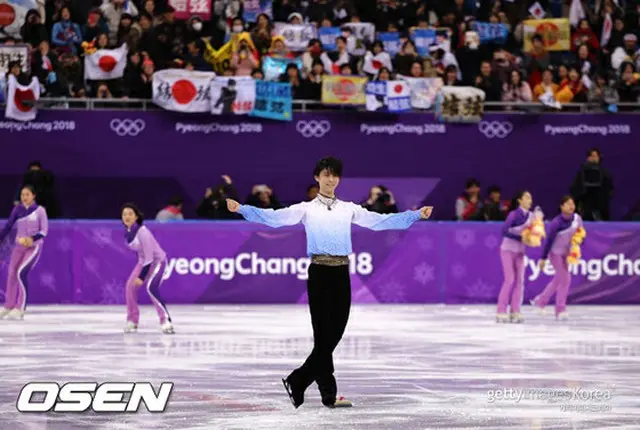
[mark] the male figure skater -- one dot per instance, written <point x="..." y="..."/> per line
<point x="327" y="222"/>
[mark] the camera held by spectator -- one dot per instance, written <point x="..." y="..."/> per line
<point x="381" y="200"/>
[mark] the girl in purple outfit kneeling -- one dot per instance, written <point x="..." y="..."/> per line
<point x="512" y="257"/>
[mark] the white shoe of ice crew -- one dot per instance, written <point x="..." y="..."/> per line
<point x="167" y="328"/>
<point x="131" y="327"/>
<point x="15" y="314"/>
<point x="4" y="312"/>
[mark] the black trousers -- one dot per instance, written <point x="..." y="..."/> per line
<point x="329" y="291"/>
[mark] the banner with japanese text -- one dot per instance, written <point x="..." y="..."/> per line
<point x="343" y="90"/>
<point x="460" y="104"/>
<point x="273" y="101"/>
<point x="182" y="90"/>
<point x="556" y="33"/>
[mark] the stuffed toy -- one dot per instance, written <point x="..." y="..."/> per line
<point x="532" y="235"/>
<point x="576" y="240"/>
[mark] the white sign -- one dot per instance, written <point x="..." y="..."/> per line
<point x="296" y="37"/>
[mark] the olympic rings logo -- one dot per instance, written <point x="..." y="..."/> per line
<point x="313" y="128"/>
<point x="495" y="129"/>
<point x="127" y="127"/>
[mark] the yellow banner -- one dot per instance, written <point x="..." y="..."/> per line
<point x="343" y="90"/>
<point x="220" y="59"/>
<point x="556" y="33"/>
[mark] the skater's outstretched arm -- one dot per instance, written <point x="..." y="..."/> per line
<point x="273" y="218"/>
<point x="397" y="221"/>
<point x="9" y="225"/>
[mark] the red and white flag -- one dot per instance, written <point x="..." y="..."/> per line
<point x="182" y="90"/>
<point x="576" y="12"/>
<point x="18" y="98"/>
<point x="537" y="10"/>
<point x="373" y="63"/>
<point x="333" y="67"/>
<point x="106" y="64"/>
<point x="607" y="26"/>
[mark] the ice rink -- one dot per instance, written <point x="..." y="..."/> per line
<point x="406" y="367"/>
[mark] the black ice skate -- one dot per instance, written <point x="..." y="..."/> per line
<point x="297" y="399"/>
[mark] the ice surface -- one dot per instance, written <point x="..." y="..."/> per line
<point x="408" y="367"/>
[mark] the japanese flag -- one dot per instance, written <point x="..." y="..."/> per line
<point x="373" y="63"/>
<point x="537" y="11"/>
<point x="18" y="97"/>
<point x="182" y="90"/>
<point x="576" y="12"/>
<point x="105" y="64"/>
<point x="607" y="26"/>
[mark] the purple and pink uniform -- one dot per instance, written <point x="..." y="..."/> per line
<point x="556" y="249"/>
<point x="30" y="222"/>
<point x="152" y="262"/>
<point x="512" y="257"/>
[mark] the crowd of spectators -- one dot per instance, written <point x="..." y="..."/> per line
<point x="597" y="70"/>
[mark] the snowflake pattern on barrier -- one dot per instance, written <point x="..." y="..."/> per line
<point x="458" y="271"/>
<point x="392" y="292"/>
<point x="424" y="273"/>
<point x="102" y="237"/>
<point x="64" y="244"/>
<point x="113" y="292"/>
<point x="491" y="242"/>
<point x="92" y="265"/>
<point x="48" y="280"/>
<point x="465" y="238"/>
<point x="425" y="243"/>
<point x="392" y="239"/>
<point x="479" y="290"/>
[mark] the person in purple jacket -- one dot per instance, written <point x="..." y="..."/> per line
<point x="512" y="257"/>
<point x="32" y="225"/>
<point x="556" y="249"/>
<point x="149" y="271"/>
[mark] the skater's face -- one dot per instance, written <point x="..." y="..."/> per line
<point x="568" y="207"/>
<point x="526" y="201"/>
<point x="27" y="197"/>
<point x="129" y="217"/>
<point x="327" y="182"/>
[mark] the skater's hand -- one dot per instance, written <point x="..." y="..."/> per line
<point x="425" y="212"/>
<point x="542" y="264"/>
<point x="25" y="241"/>
<point x="137" y="282"/>
<point x="232" y="205"/>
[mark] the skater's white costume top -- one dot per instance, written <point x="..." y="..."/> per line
<point x="329" y="231"/>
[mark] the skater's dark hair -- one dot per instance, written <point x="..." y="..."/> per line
<point x="135" y="210"/>
<point x="28" y="187"/>
<point x="331" y="164"/>
<point x="565" y="199"/>
<point x="515" y="204"/>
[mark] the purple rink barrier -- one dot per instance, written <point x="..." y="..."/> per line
<point x="238" y="262"/>
<point x="104" y="158"/>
